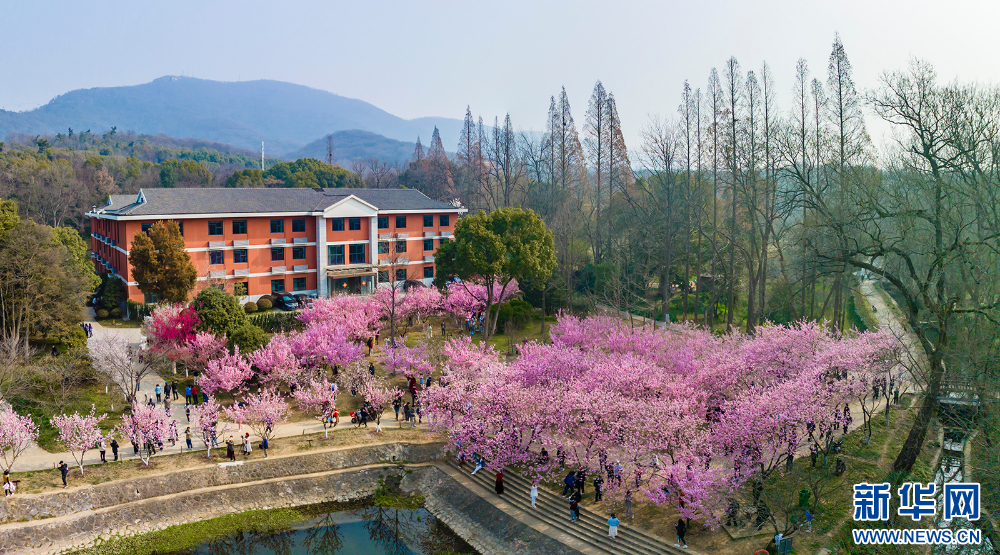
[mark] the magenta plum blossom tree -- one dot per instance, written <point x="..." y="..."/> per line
<point x="423" y="302"/>
<point x="207" y="421"/>
<point x="228" y="373"/>
<point x="17" y="433"/>
<point x="326" y="344"/>
<point x="263" y="412"/>
<point x="397" y="358"/>
<point x="78" y="434"/>
<point x="148" y="426"/>
<point x="168" y="328"/>
<point x="359" y="317"/>
<point x="318" y="397"/>
<point x="276" y="361"/>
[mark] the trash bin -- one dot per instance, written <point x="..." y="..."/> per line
<point x="804" y="498"/>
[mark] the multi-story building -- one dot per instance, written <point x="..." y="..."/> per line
<point x="253" y="242"/>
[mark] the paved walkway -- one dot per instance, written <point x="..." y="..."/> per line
<point x="36" y="458"/>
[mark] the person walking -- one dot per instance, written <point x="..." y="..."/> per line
<point x="114" y="448"/>
<point x="173" y="388"/>
<point x="613" y="524"/>
<point x="598" y="482"/>
<point x="574" y="510"/>
<point x="809" y="520"/>
<point x="166" y="391"/>
<point x="187" y="395"/>
<point x="569" y="483"/>
<point x="64" y="470"/>
<point x="103" y="448"/>
<point x="499" y="485"/>
<point x="187" y="438"/>
<point x="187" y="412"/>
<point x="395" y="406"/>
<point x="194" y="394"/>
<point x="681" y="529"/>
<point x="159" y="391"/>
<point x="533" y="494"/>
<point x="628" y="504"/>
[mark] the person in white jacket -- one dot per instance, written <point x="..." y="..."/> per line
<point x="534" y="495"/>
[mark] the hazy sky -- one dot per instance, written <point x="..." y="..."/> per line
<point x="433" y="58"/>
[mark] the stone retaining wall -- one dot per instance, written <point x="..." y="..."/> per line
<point x="487" y="528"/>
<point x="76" y="531"/>
<point x="19" y="508"/>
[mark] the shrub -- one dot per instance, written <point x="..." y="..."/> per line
<point x="115" y="312"/>
<point x="220" y="312"/>
<point x="516" y="311"/>
<point x="277" y="322"/>
<point x="250" y="307"/>
<point x="264" y="304"/>
<point x="75" y="337"/>
<point x="102" y="313"/>
<point x="248" y="338"/>
<point x="267" y="298"/>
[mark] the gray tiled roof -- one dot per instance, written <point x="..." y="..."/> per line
<point x="240" y="201"/>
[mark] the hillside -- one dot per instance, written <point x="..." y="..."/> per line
<point x="285" y="116"/>
<point x="357" y="145"/>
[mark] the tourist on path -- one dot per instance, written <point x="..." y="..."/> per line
<point x="395" y="406"/>
<point x="166" y="391"/>
<point x="247" y="448"/>
<point x="114" y="448"/>
<point x="173" y="388"/>
<point x="159" y="391"/>
<point x="581" y="481"/>
<point x="499" y="485"/>
<point x="574" y="510"/>
<point x="64" y="470"/>
<point x="187" y="438"/>
<point x="598" y="482"/>
<point x="194" y="394"/>
<point x="613" y="524"/>
<point x="681" y="528"/>
<point x="230" y="452"/>
<point x="263" y="446"/>
<point x="570" y="484"/>
<point x="187" y="395"/>
<point x="534" y="495"/>
<point x="628" y="504"/>
<point x="103" y="449"/>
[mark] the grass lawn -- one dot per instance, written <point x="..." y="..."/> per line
<point x="41" y="481"/>
<point x="42" y="408"/>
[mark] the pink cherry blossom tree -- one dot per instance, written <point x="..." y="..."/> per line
<point x="319" y="397"/>
<point x="207" y="421"/>
<point x="263" y="412"/>
<point x="423" y="301"/>
<point x="78" y="434"/>
<point x="148" y="426"/>
<point x="17" y="433"/>
<point x="374" y="391"/>
<point x="359" y="317"/>
<point x="201" y="349"/>
<point x="227" y="373"/>
<point x="397" y="358"/>
<point x="277" y="361"/>
<point x="467" y="297"/>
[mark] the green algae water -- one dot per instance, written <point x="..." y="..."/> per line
<point x="370" y="530"/>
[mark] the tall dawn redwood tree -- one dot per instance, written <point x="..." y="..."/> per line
<point x="160" y="264"/>
<point x="17" y="433"/>
<point x="147" y="426"/>
<point x="78" y="434"/>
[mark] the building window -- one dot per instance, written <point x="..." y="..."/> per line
<point x="444" y="240"/>
<point x="298" y="225"/>
<point x="337" y="223"/>
<point x="277" y="254"/>
<point x="383" y="276"/>
<point x="354" y="224"/>
<point x="443" y="219"/>
<point x="146" y="226"/>
<point x="401" y="274"/>
<point x="150" y="297"/>
<point x="239" y="227"/>
<point x="357" y="253"/>
<point x="215" y="227"/>
<point x="277" y="286"/>
<point x="400" y="222"/>
<point x="336" y="254"/>
<point x="215" y="257"/>
<point x="180" y="226"/>
<point x="240" y="256"/>
<point x="400" y="246"/>
<point x="298" y="253"/>
<point x="383" y="222"/>
<point x="299" y="284"/>
<point x="428" y="244"/>
<point x="428" y="221"/>
<point x="383" y="247"/>
<point x="240" y="289"/>
<point x="428" y="272"/>
<point x="277" y="226"/>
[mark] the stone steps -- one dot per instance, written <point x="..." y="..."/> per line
<point x="554" y="511"/>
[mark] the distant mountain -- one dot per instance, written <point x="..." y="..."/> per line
<point x="283" y="115"/>
<point x="356" y="144"/>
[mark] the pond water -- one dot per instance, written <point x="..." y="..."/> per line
<point x="368" y="530"/>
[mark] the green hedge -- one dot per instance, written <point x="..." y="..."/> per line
<point x="276" y="322"/>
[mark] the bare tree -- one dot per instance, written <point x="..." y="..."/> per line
<point x="123" y="365"/>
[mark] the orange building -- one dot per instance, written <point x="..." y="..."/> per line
<point x="253" y="242"/>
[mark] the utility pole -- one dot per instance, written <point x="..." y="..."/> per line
<point x="262" y="156"/>
<point x="329" y="149"/>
